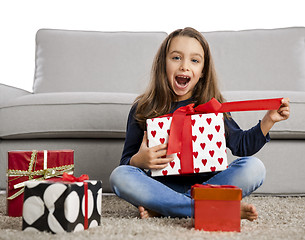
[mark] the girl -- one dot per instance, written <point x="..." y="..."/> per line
<point x="183" y="73"/>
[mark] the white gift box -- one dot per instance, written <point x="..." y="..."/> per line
<point x="208" y="143"/>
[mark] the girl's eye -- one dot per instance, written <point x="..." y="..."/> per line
<point x="176" y="58"/>
<point x="195" y="61"/>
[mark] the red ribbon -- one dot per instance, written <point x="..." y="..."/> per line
<point x="70" y="178"/>
<point x="180" y="138"/>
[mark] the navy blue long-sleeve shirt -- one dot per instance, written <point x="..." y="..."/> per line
<point x="241" y="143"/>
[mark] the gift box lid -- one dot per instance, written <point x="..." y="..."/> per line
<point x="216" y="192"/>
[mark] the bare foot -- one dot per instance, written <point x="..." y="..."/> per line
<point x="147" y="213"/>
<point x="248" y="211"/>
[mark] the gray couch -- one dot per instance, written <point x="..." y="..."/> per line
<point x="85" y="83"/>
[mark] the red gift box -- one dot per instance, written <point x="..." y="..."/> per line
<point x="216" y="207"/>
<point x="27" y="165"/>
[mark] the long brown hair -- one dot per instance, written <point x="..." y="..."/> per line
<point x="159" y="96"/>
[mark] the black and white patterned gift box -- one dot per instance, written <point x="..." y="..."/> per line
<point x="60" y="206"/>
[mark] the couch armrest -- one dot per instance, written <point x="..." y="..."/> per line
<point x="8" y="93"/>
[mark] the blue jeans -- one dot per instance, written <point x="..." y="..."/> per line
<point x="170" y="195"/>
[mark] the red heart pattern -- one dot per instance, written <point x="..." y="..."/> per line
<point x="202" y="145"/>
<point x="211" y="152"/>
<point x="172" y="164"/>
<point x="217" y="127"/>
<point x="193" y="121"/>
<point x="208" y="141"/>
<point x="204" y="161"/>
<point x="201" y="129"/>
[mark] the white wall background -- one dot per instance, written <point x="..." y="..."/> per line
<point x="20" y="19"/>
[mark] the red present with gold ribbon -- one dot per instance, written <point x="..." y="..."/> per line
<point x="196" y="135"/>
<point x="38" y="165"/>
<point x="216" y="207"/>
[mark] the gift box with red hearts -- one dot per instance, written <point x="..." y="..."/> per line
<point x="196" y="135"/>
<point x="27" y="165"/>
<point x="216" y="207"/>
<point x="207" y="144"/>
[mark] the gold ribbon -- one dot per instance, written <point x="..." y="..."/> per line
<point x="45" y="173"/>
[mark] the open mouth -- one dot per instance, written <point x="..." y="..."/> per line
<point x="182" y="81"/>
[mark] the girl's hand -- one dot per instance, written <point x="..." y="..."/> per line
<point x="150" y="158"/>
<point x="274" y="116"/>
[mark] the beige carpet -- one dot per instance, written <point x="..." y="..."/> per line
<point x="280" y="218"/>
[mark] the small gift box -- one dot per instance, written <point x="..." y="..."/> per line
<point x="27" y="165"/>
<point x="65" y="205"/>
<point x="196" y="135"/>
<point x="216" y="207"/>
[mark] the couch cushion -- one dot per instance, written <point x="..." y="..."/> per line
<point x="260" y="59"/>
<point x="66" y="115"/>
<point x="84" y="61"/>
<point x="293" y="128"/>
<point x="104" y="115"/>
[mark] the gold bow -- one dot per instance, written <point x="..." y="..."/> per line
<point x="45" y="173"/>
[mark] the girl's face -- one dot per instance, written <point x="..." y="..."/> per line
<point x="184" y="65"/>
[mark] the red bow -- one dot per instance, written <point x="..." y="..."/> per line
<point x="70" y="178"/>
<point x="180" y="137"/>
<point x="180" y="121"/>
